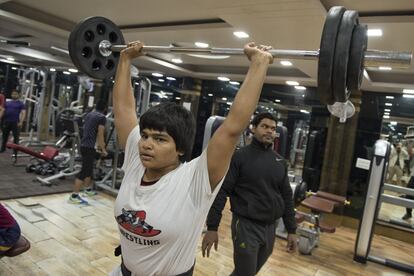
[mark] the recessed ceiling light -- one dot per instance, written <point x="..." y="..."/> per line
<point x="229" y="103"/>
<point x="304" y="111"/>
<point x="385" y="68"/>
<point x="408" y="96"/>
<point x="10" y="58"/>
<point x="393" y="123"/>
<point x="52" y="69"/>
<point x="210" y="95"/>
<point x="387" y="110"/>
<point x="408" y="91"/>
<point x="14" y="68"/>
<point x="278" y="101"/>
<point x="292" y="83"/>
<point x="157" y="75"/>
<point x="161" y="80"/>
<point x="374" y="32"/>
<point x="241" y="34"/>
<point x="388" y="104"/>
<point x="235" y="82"/>
<point x="73" y="70"/>
<point x="66" y="72"/>
<point x="286" y="63"/>
<point x="68" y="87"/>
<point x="386" y="113"/>
<point x="223" y="78"/>
<point x="386" y="117"/>
<point x="177" y="60"/>
<point x="171" y="78"/>
<point x="300" y="87"/>
<point x="224" y="99"/>
<point x="177" y="98"/>
<point x="389" y="97"/>
<point x="201" y="44"/>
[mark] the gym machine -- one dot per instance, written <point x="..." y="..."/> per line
<point x="377" y="173"/>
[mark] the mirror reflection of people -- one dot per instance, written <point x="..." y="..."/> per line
<point x="398" y="157"/>
<point x="409" y="211"/>
<point x="13" y="115"/>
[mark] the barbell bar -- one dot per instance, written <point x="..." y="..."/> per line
<point x="372" y="58"/>
<point x="95" y="42"/>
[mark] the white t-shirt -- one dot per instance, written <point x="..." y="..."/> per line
<point x="160" y="225"/>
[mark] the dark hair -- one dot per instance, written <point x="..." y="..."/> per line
<point x="100" y="106"/>
<point x="177" y="121"/>
<point x="259" y="117"/>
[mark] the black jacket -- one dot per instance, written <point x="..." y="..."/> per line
<point x="258" y="186"/>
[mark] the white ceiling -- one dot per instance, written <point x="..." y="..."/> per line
<point x="284" y="24"/>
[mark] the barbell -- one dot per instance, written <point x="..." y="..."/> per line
<point x="95" y="42"/>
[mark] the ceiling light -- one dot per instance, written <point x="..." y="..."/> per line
<point x="300" y="87"/>
<point x="157" y="75"/>
<point x="235" y="82"/>
<point x="286" y="63"/>
<point x="292" y="83"/>
<point x="210" y="95"/>
<point x="374" y="32"/>
<point x="201" y="45"/>
<point x="73" y="70"/>
<point x="304" y="111"/>
<point x="60" y="49"/>
<point x="387" y="110"/>
<point x="278" y="101"/>
<point x="408" y="96"/>
<point x="10" y="58"/>
<point x="408" y="91"/>
<point x="223" y="78"/>
<point x="177" y="60"/>
<point x="161" y="80"/>
<point x="241" y="34"/>
<point x="393" y="123"/>
<point x="224" y="99"/>
<point x="68" y="87"/>
<point x="66" y="72"/>
<point x="177" y="98"/>
<point x="303" y="95"/>
<point x="386" y="114"/>
<point x="208" y="56"/>
<point x="386" y="117"/>
<point x="14" y="68"/>
<point x="389" y="97"/>
<point x="388" y="104"/>
<point x="229" y="103"/>
<point x="171" y="78"/>
<point x="52" y="69"/>
<point x="27" y="81"/>
<point x="385" y="68"/>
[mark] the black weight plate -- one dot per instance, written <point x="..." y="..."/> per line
<point x="300" y="192"/>
<point x="342" y="51"/>
<point x="84" y="43"/>
<point x="356" y="58"/>
<point x="326" y="54"/>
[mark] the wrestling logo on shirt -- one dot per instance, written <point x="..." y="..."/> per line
<point x="134" y="221"/>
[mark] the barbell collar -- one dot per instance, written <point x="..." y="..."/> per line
<point x="373" y="58"/>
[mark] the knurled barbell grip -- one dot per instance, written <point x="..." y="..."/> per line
<point x="373" y="58"/>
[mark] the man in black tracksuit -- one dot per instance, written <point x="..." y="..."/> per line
<point x="259" y="190"/>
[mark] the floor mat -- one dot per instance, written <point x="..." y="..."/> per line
<point x="16" y="183"/>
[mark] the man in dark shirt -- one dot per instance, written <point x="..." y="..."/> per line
<point x="93" y="133"/>
<point x="260" y="193"/>
<point x="13" y="115"/>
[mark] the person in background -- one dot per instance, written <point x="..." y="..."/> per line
<point x="13" y="114"/>
<point x="93" y="135"/>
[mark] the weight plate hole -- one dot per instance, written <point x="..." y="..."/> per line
<point x="100" y="29"/>
<point x="96" y="65"/>
<point x="113" y="37"/>
<point x="89" y="36"/>
<point x="86" y="52"/>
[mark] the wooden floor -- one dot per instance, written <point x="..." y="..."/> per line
<point x="73" y="240"/>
